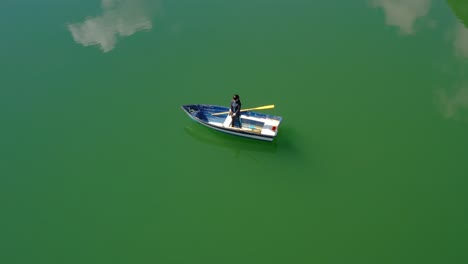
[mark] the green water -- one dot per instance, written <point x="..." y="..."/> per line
<point x="98" y="163"/>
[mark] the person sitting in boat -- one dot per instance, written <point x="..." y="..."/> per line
<point x="235" y="110"/>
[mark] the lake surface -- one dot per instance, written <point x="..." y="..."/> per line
<point x="99" y="164"/>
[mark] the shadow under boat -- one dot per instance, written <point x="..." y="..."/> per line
<point x="215" y="138"/>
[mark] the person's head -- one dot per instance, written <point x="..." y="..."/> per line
<point x="236" y="97"/>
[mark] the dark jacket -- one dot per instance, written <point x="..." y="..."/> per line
<point x="236" y="107"/>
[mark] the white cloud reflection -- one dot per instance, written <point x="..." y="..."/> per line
<point x="119" y="18"/>
<point x="461" y="41"/>
<point x="453" y="102"/>
<point x="454" y="105"/>
<point x="403" y="13"/>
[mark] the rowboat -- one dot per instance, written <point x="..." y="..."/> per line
<point x="254" y="125"/>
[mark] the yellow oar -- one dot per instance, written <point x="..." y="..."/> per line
<point x="249" y="109"/>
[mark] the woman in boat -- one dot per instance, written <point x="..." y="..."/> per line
<point x="234" y="111"/>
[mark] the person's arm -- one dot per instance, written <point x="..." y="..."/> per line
<point x="230" y="109"/>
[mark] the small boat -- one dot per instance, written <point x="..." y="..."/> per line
<point x="253" y="124"/>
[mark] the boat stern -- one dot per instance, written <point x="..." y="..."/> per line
<point x="270" y="128"/>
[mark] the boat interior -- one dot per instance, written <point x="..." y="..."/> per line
<point x="250" y="121"/>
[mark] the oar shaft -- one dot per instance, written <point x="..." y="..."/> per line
<point x="250" y="109"/>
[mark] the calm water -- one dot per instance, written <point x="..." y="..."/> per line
<point x="98" y="163"/>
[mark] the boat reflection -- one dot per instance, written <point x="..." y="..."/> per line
<point x="283" y="144"/>
<point x="403" y="14"/>
<point x="119" y="18"/>
<point x="222" y="140"/>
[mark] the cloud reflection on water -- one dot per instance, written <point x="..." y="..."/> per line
<point x="403" y="13"/>
<point x="119" y="18"/>
<point x="461" y="41"/>
<point x="453" y="105"/>
<point x="453" y="102"/>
